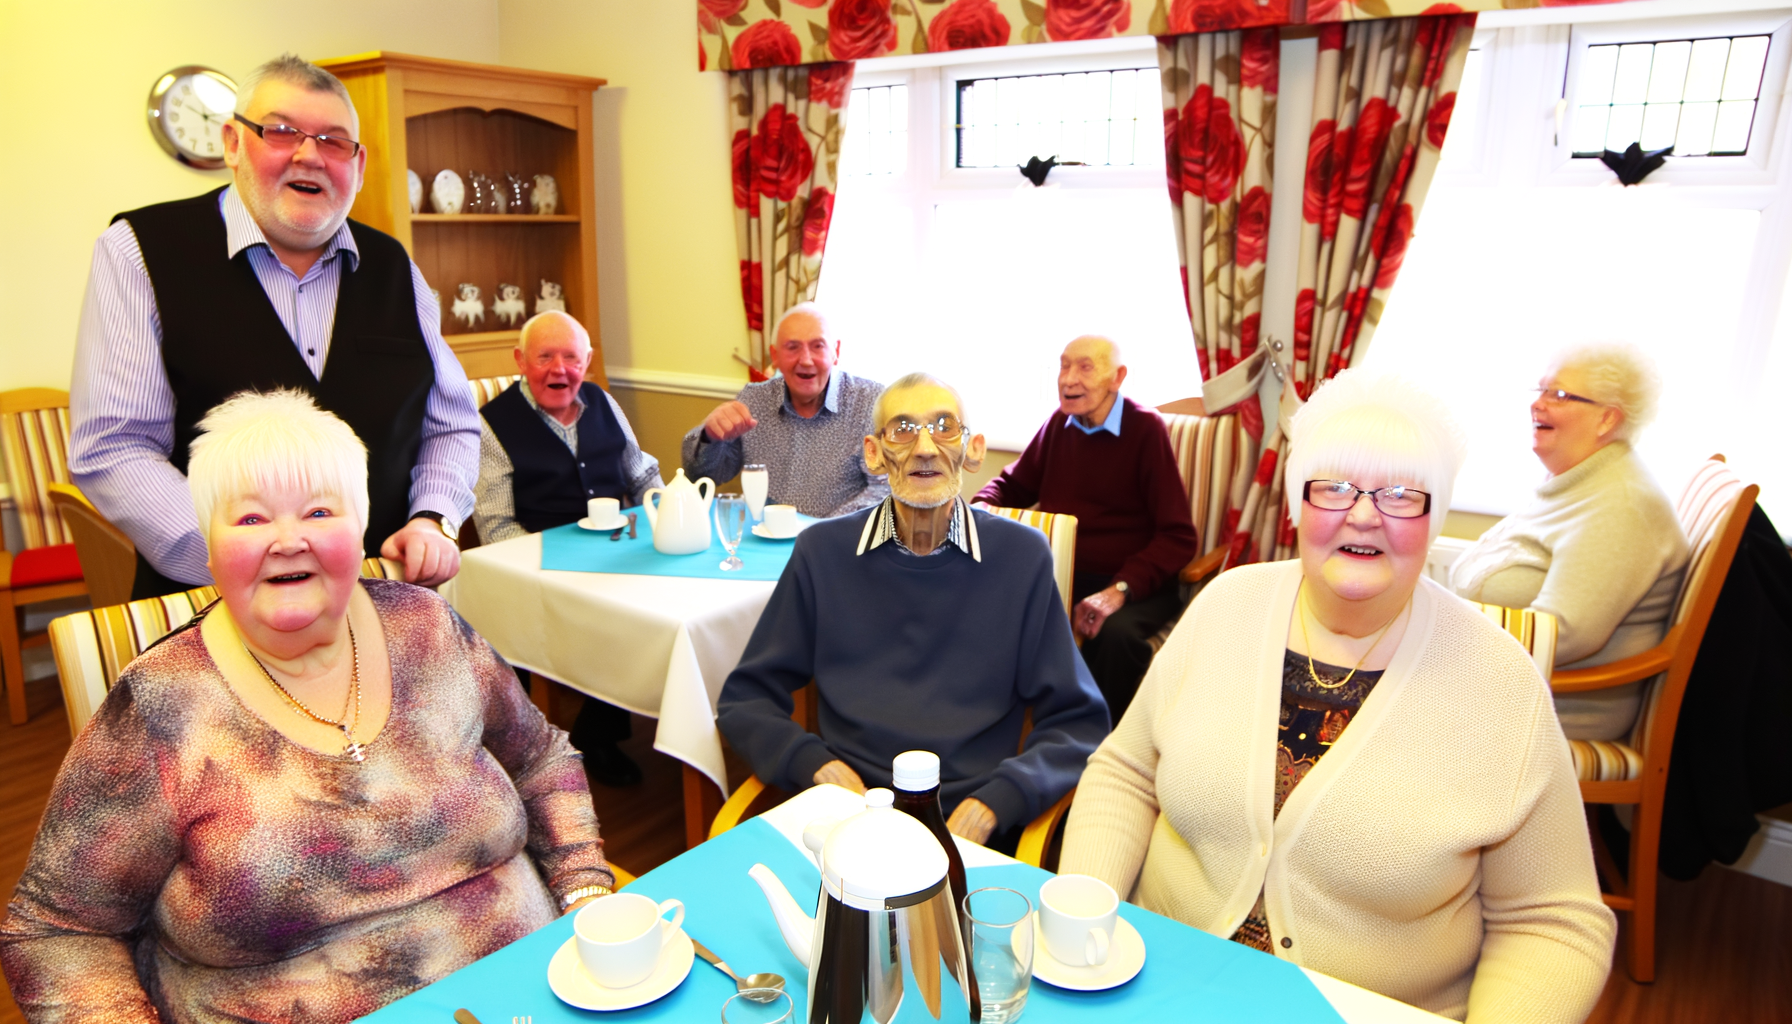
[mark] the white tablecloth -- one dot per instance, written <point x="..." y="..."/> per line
<point x="658" y="645"/>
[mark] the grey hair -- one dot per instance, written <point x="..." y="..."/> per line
<point x="294" y="70"/>
<point x="809" y="309"/>
<point x="912" y="380"/>
<point x="1618" y="374"/>
<point x="1363" y="424"/>
<point x="1115" y="357"/>
<point x="275" y="441"/>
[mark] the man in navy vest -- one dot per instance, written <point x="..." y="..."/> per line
<point x="547" y="445"/>
<point x="260" y="285"/>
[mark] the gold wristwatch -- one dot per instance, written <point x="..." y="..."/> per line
<point x="449" y="530"/>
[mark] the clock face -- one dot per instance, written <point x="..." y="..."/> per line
<point x="187" y="111"/>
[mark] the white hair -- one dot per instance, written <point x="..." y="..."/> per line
<point x="276" y="441"/>
<point x="1362" y="425"/>
<point x="522" y="338"/>
<point x="809" y="309"/>
<point x="911" y="380"/>
<point x="295" y="70"/>
<point x="1111" y="349"/>
<point x="1617" y="374"/>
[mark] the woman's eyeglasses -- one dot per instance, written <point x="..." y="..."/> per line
<point x="906" y="432"/>
<point x="1399" y="502"/>
<point x="1556" y="396"/>
<point x="285" y="137"/>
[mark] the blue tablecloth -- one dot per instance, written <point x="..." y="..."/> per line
<point x="1188" y="975"/>
<point x="576" y="549"/>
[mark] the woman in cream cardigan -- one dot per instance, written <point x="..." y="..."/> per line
<point x="1337" y="762"/>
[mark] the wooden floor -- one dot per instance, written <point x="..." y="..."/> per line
<point x="1726" y="938"/>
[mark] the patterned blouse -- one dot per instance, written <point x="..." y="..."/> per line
<point x="1313" y="717"/>
<point x="196" y="865"/>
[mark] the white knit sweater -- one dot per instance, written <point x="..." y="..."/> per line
<point x="1436" y="854"/>
<point x="1602" y="551"/>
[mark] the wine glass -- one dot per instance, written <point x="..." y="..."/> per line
<point x="731" y="520"/>
<point x="754" y="482"/>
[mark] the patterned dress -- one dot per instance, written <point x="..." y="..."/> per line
<point x="1313" y="717"/>
<point x="195" y="865"/>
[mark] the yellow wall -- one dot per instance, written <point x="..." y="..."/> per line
<point x="78" y="146"/>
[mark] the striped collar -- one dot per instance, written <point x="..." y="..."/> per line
<point x="880" y="526"/>
<point x="241" y="232"/>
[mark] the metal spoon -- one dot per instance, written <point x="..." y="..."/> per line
<point x="766" y="984"/>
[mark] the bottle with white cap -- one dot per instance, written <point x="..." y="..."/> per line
<point x="915" y="776"/>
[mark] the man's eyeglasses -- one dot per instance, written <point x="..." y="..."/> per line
<point x="905" y="432"/>
<point x="284" y="137"/>
<point x="1399" y="502"/>
<point x="1556" y="396"/>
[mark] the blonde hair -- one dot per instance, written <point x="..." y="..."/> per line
<point x="1362" y="424"/>
<point x="276" y="441"/>
<point x="1618" y="374"/>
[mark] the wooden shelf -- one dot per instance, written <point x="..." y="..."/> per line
<point x="494" y="218"/>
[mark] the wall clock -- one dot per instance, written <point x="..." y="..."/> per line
<point x="187" y="110"/>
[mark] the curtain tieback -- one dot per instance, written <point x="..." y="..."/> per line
<point x="1221" y="394"/>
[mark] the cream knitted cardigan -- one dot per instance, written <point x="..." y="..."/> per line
<point x="1436" y="854"/>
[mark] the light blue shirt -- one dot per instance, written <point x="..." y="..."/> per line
<point x="1111" y="424"/>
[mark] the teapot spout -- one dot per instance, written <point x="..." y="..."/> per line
<point x="797" y="927"/>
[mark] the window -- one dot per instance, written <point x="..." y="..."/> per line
<point x="1697" y="95"/>
<point x="876" y="132"/>
<point x="1106" y="118"/>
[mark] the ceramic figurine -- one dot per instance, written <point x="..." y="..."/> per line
<point x="547" y="194"/>
<point x="509" y="307"/>
<point x="414" y="185"/>
<point x="469" y="308"/>
<point x="550" y="297"/>
<point x="449" y="193"/>
<point x="479" y="188"/>
<point x="517" y="190"/>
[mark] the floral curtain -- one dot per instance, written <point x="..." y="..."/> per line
<point x="787" y="124"/>
<point x="1383" y="95"/>
<point x="736" y="34"/>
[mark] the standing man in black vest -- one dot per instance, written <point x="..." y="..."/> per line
<point x="547" y="445"/>
<point x="265" y="284"/>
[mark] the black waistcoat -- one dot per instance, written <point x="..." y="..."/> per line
<point x="220" y="335"/>
<point x="550" y="484"/>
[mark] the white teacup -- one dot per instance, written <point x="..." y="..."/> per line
<point x="1076" y="914"/>
<point x="620" y="936"/>
<point x="603" y="510"/>
<point x="780" y="520"/>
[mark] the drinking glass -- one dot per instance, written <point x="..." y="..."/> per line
<point x="731" y="520"/>
<point x="753" y="483"/>
<point x="1001" y="950"/>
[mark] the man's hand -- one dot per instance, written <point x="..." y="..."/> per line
<point x="728" y="421"/>
<point x="1094" y="610"/>
<point x="430" y="558"/>
<point x="840" y="774"/>
<point x="972" y="819"/>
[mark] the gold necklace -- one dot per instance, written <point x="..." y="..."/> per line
<point x="1301" y="605"/>
<point x="353" y="751"/>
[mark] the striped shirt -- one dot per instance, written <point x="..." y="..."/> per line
<point x="122" y="407"/>
<point x="961" y="533"/>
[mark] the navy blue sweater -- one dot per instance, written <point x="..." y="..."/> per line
<point x="939" y="653"/>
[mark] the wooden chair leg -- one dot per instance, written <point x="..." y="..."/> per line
<point x="12" y="661"/>
<point x="701" y="802"/>
<point x="1645" y="854"/>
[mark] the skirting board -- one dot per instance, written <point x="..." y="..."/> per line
<point x="673" y="383"/>
<point x="1769" y="853"/>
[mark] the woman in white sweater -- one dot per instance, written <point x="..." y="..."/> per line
<point x="1600" y="548"/>
<point x="1340" y="763"/>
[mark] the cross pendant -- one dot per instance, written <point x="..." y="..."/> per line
<point x="354" y="751"/>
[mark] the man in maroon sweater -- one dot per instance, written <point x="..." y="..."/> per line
<point x="1108" y="461"/>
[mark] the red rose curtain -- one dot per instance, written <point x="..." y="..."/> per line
<point x="1383" y="95"/>
<point x="787" y="124"/>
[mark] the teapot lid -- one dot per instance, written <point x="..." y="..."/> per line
<point x="880" y="856"/>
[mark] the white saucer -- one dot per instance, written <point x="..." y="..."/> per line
<point x="760" y="531"/>
<point x="568" y="979"/>
<point x="1126" y="957"/>
<point x="618" y="523"/>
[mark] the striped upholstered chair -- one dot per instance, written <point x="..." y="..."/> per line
<point x="92" y="648"/>
<point x="1060" y="533"/>
<point x="487" y="388"/>
<point x="34" y="438"/>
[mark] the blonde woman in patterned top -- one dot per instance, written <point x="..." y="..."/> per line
<point x="326" y="793"/>
<point x="1338" y="762"/>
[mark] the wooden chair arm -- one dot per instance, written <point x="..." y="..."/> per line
<point x="730" y="814"/>
<point x="71" y="492"/>
<point x="1633" y="669"/>
<point x="623" y="875"/>
<point x="1038" y="834"/>
<point x="1204" y="566"/>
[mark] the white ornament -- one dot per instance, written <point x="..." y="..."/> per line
<point x="550" y="298"/>
<point x="414" y="185"/>
<point x="469" y="308"/>
<point x="547" y="194"/>
<point x="509" y="307"/>
<point x="448" y="193"/>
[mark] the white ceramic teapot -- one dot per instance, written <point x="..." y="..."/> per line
<point x="680" y="520"/>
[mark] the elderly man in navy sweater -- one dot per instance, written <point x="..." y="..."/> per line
<point x="925" y="625"/>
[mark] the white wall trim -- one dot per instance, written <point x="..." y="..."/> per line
<point x="1769" y="853"/>
<point x="671" y="382"/>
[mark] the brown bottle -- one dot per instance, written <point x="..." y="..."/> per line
<point x="915" y="779"/>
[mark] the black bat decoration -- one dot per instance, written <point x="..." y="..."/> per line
<point x="1633" y="165"/>
<point x="1036" y="169"/>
